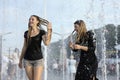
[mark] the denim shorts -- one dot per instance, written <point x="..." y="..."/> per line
<point x="34" y="63"/>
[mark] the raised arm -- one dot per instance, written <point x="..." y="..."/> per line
<point x="47" y="37"/>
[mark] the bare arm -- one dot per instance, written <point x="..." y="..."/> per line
<point x="23" y="50"/>
<point x="77" y="47"/>
<point x="89" y="48"/>
<point x="47" y="37"/>
<point x="84" y="48"/>
<point x="91" y="44"/>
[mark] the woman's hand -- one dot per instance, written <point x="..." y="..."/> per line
<point x="20" y="64"/>
<point x="47" y="38"/>
<point x="49" y="26"/>
<point x="76" y="46"/>
<point x="71" y="44"/>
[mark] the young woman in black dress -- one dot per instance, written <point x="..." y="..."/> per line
<point x="31" y="55"/>
<point x="85" y="44"/>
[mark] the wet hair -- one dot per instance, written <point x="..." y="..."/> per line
<point x="29" y="28"/>
<point x="41" y="21"/>
<point x="78" y="22"/>
<point x="38" y="19"/>
<point x="81" y="30"/>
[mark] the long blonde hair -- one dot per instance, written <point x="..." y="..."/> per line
<point x="81" y="30"/>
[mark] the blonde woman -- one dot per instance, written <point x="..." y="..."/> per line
<point x="87" y="66"/>
<point x="31" y="54"/>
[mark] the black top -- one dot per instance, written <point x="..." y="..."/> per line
<point x="88" y="64"/>
<point x="87" y="57"/>
<point x="33" y="51"/>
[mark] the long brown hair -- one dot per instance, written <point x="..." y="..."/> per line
<point x="30" y="28"/>
<point x="41" y="21"/>
<point x="81" y="30"/>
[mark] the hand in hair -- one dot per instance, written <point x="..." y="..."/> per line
<point x="47" y="37"/>
<point x="49" y="26"/>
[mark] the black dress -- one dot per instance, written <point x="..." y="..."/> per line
<point x="88" y="64"/>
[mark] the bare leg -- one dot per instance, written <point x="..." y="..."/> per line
<point x="29" y="72"/>
<point x="38" y="72"/>
<point x="93" y="78"/>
